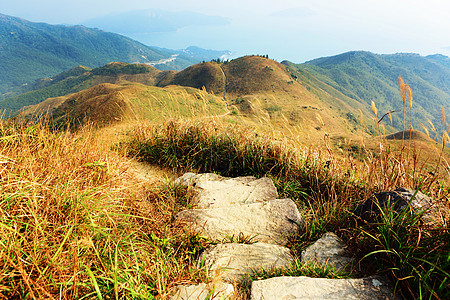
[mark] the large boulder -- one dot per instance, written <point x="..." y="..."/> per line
<point x="270" y="221"/>
<point x="370" y="288"/>
<point x="234" y="262"/>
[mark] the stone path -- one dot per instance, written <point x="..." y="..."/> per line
<point x="248" y="209"/>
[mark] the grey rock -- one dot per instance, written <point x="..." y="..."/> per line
<point x="271" y="221"/>
<point x="214" y="290"/>
<point x="191" y="292"/>
<point x="192" y="179"/>
<point x="400" y="199"/>
<point x="329" y="251"/>
<point x="216" y="191"/>
<point x="321" y="288"/>
<point x="234" y="262"/>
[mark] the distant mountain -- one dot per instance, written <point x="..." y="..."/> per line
<point x="29" y="51"/>
<point x="367" y="77"/>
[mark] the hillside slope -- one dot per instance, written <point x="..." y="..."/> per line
<point x="109" y="103"/>
<point x="267" y="92"/>
<point x="80" y="78"/>
<point x="34" y="50"/>
<point x="367" y="77"/>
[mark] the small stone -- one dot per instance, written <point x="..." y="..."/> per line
<point x="191" y="292"/>
<point x="329" y="251"/>
<point x="321" y="288"/>
<point x="234" y="262"/>
<point x="215" y="290"/>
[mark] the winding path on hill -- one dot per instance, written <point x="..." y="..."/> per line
<point x="224" y="93"/>
<point x="224" y="84"/>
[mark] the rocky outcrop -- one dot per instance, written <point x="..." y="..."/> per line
<point x="217" y="191"/>
<point x="270" y="221"/>
<point x="218" y="290"/>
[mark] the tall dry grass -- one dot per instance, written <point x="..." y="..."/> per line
<point x="74" y="224"/>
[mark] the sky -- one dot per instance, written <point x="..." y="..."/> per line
<point x="295" y="30"/>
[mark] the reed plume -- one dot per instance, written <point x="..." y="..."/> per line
<point x="402" y="89"/>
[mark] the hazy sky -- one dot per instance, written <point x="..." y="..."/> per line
<point x="297" y="30"/>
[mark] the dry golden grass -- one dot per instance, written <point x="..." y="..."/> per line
<point x="74" y="222"/>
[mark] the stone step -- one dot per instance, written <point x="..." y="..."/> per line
<point x="328" y="251"/>
<point x="233" y="262"/>
<point x="203" y="291"/>
<point x="270" y="222"/>
<point x="370" y="288"/>
<point x="216" y="191"/>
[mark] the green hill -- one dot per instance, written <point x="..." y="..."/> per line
<point x="30" y="51"/>
<point x="80" y="78"/>
<point x="367" y="77"/>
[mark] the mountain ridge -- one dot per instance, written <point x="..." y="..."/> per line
<point x="31" y="50"/>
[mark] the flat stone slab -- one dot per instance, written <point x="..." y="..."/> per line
<point x="202" y="291"/>
<point x="217" y="191"/>
<point x="233" y="262"/>
<point x="371" y="288"/>
<point x="271" y="221"/>
<point x="329" y="251"/>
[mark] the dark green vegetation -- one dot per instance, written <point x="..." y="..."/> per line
<point x="367" y="77"/>
<point x="29" y="51"/>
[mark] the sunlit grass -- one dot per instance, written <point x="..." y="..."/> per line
<point x="73" y="225"/>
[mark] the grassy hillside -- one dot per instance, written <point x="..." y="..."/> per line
<point x="257" y="91"/>
<point x="367" y="77"/>
<point x="261" y="92"/>
<point x="264" y="92"/>
<point x="107" y="103"/>
<point x="81" y="78"/>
